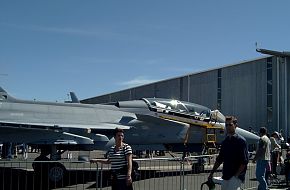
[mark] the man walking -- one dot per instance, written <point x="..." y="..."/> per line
<point x="234" y="156"/>
<point x="262" y="157"/>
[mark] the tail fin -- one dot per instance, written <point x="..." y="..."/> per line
<point x="74" y="98"/>
<point x="5" y="96"/>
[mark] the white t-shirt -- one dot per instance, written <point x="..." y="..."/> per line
<point x="264" y="148"/>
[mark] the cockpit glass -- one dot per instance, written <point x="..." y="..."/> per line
<point x="179" y="106"/>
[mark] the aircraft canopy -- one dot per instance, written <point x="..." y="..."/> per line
<point x="171" y="105"/>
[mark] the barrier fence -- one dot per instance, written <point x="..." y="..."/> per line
<point x="155" y="174"/>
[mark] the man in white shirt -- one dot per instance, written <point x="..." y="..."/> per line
<point x="262" y="157"/>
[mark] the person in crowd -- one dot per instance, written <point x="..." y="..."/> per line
<point x="120" y="158"/>
<point x="275" y="152"/>
<point x="262" y="159"/>
<point x="7" y="150"/>
<point x="40" y="164"/>
<point x="281" y="138"/>
<point x="287" y="168"/>
<point x="234" y="156"/>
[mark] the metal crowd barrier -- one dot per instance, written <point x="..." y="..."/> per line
<point x="155" y="174"/>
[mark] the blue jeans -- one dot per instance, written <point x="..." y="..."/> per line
<point x="261" y="168"/>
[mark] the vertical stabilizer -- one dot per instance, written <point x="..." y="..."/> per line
<point x="74" y="98"/>
<point x="5" y="96"/>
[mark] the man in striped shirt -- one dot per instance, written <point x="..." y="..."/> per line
<point x="120" y="158"/>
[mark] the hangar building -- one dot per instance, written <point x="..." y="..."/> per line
<point x="256" y="92"/>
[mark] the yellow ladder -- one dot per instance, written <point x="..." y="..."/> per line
<point x="210" y="140"/>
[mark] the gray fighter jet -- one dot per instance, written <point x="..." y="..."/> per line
<point x="150" y="123"/>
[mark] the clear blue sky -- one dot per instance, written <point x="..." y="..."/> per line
<point x="94" y="47"/>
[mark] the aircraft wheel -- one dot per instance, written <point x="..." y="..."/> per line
<point x="56" y="174"/>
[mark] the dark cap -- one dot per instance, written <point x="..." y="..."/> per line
<point x="263" y="130"/>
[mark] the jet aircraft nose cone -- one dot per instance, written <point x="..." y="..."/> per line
<point x="251" y="138"/>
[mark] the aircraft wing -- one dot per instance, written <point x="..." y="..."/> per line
<point x="43" y="133"/>
<point x="41" y="136"/>
<point x="61" y="126"/>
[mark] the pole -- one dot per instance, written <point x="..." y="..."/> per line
<point x="188" y="87"/>
<point x="278" y="94"/>
<point x="286" y="100"/>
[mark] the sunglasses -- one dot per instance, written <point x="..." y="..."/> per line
<point x="229" y="124"/>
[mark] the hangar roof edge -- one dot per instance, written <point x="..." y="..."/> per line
<point x="207" y="70"/>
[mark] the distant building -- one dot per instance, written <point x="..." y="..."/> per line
<point x="256" y="92"/>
